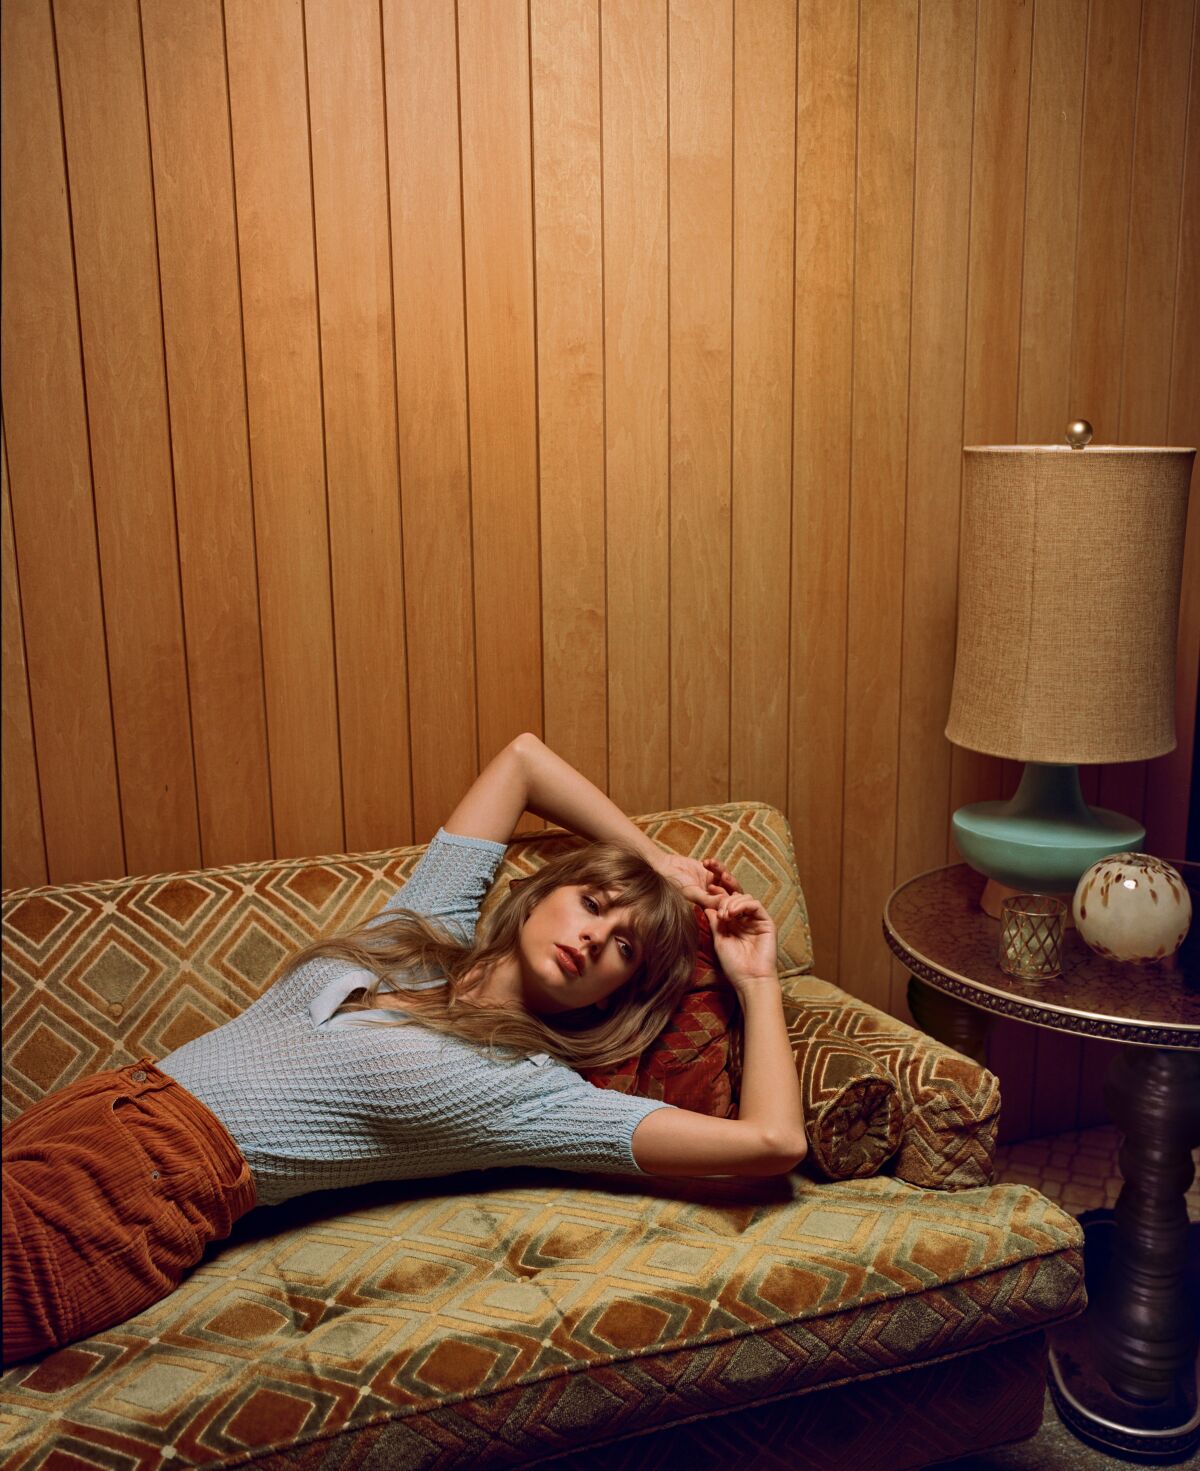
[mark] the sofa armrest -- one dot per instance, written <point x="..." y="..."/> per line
<point x="951" y="1104"/>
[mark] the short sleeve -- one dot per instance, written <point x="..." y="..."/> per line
<point x="567" y="1123"/>
<point x="450" y="882"/>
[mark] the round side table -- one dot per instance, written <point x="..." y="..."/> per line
<point x="1124" y="1374"/>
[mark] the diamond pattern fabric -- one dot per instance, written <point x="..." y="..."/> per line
<point x="951" y="1105"/>
<point x="852" y="1110"/>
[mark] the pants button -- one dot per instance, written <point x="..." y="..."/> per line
<point x="139" y="1076"/>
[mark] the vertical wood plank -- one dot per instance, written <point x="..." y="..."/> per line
<point x="826" y="141"/>
<point x="1169" y="777"/>
<point x="45" y="422"/>
<point x="701" y="206"/>
<point x="193" y="183"/>
<point x="994" y="287"/>
<point x="998" y="185"/>
<point x="1108" y="125"/>
<point x="938" y="346"/>
<point x="633" y="38"/>
<point x="1108" y="121"/>
<point x="269" y="115"/>
<point x="354" y="272"/>
<point x="1154" y="205"/>
<point x="883" y="283"/>
<point x="1044" y="406"/>
<point x="1154" y="218"/>
<point x="112" y="209"/>
<point x="427" y="251"/>
<point x="1012" y="1056"/>
<point x="1098" y="1057"/>
<point x="1054" y="1098"/>
<point x="498" y="248"/>
<point x="565" y="71"/>
<point x="24" y="860"/>
<point x="764" y="224"/>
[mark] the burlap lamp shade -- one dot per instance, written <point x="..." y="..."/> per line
<point x="1070" y="573"/>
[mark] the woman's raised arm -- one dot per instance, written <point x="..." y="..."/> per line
<point x="528" y="776"/>
<point x="768" y="1136"/>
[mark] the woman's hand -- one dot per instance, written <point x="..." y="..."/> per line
<point x="701" y="882"/>
<point x="768" y="1135"/>
<point x="744" y="938"/>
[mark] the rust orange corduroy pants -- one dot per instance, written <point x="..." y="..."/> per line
<point x="113" y="1186"/>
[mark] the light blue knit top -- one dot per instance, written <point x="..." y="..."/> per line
<point x="316" y="1100"/>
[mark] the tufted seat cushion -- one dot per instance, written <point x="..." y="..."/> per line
<point x="499" y="1320"/>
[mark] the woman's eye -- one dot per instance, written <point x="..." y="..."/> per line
<point x="626" y="950"/>
<point x="591" y="904"/>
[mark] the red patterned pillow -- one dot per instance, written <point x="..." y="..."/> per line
<point x="692" y="1063"/>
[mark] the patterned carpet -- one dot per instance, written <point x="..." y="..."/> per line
<point x="1079" y="1170"/>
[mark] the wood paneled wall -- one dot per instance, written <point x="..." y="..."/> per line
<point x="385" y="377"/>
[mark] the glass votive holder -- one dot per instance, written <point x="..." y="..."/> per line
<point x="1031" y="936"/>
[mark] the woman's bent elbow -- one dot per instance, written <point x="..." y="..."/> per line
<point x="523" y="743"/>
<point x="784" y="1152"/>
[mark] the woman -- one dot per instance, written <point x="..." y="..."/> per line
<point x="408" y="1047"/>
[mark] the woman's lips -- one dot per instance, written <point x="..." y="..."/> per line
<point x="567" y="961"/>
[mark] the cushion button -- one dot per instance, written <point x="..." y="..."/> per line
<point x="154" y="1175"/>
<point x="139" y="1076"/>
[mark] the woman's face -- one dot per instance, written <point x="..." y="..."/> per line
<point x="577" y="946"/>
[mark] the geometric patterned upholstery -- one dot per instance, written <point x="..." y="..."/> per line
<point x="497" y="1319"/>
<point x="853" y="1114"/>
<point x="916" y="1418"/>
<point x="951" y="1105"/>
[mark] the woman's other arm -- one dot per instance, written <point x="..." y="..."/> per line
<point x="528" y="776"/>
<point x="767" y="1137"/>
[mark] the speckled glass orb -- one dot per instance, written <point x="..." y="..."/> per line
<point x="1132" y="906"/>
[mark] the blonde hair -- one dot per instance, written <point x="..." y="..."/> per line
<point x="394" y="947"/>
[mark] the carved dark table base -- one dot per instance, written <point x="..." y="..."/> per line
<point x="1127" y="1379"/>
<point x="1150" y="1434"/>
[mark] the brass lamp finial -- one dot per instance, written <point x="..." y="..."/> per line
<point x="1079" y="433"/>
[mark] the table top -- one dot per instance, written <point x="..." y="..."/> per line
<point x="934" y="924"/>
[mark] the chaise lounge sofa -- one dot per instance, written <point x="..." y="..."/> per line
<point x="521" y="1318"/>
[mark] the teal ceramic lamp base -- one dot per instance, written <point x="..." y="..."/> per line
<point x="1044" y="838"/>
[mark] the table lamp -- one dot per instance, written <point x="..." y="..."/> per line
<point x="1071" y="560"/>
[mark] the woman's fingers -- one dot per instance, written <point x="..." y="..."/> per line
<point x="720" y="876"/>
<point x="737" y="906"/>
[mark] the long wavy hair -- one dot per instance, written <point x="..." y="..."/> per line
<point x="405" y="946"/>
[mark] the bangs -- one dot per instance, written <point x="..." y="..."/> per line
<point x="648" y="907"/>
<point x="626" y="880"/>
